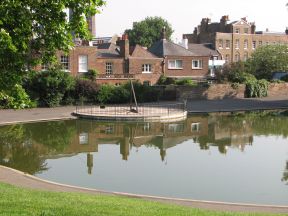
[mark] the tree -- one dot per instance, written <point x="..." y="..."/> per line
<point x="32" y="31"/>
<point x="267" y="59"/>
<point x="148" y="31"/>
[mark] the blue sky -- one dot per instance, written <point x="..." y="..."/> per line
<point x="184" y="15"/>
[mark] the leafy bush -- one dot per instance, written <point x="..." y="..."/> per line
<point x="163" y="80"/>
<point x="86" y="91"/>
<point x="120" y="95"/>
<point x="256" y="88"/>
<point x="241" y="77"/>
<point x="105" y="93"/>
<point x="49" y="87"/>
<point x="91" y="75"/>
<point x="186" y="82"/>
<point x="16" y="98"/>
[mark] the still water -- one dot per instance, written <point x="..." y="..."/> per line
<point x="219" y="157"/>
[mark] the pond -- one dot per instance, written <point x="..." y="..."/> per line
<point x="241" y="157"/>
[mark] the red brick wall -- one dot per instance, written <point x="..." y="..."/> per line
<point x="187" y="70"/>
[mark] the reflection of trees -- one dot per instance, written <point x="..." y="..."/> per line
<point x="54" y="135"/>
<point x="17" y="151"/>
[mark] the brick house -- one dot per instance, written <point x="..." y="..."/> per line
<point x="180" y="61"/>
<point x="235" y="40"/>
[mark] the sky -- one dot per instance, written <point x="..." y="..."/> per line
<point x="184" y="15"/>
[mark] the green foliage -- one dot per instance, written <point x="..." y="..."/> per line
<point x="91" y="75"/>
<point x="163" y="80"/>
<point x="105" y="93"/>
<point x="16" y="98"/>
<point x="256" y="88"/>
<point x="49" y="87"/>
<point x="86" y="91"/>
<point x="32" y="31"/>
<point x="186" y="82"/>
<point x="268" y="59"/>
<point x="148" y="31"/>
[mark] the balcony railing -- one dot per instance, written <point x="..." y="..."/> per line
<point x="116" y="76"/>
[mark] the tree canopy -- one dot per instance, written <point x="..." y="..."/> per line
<point x="148" y="31"/>
<point x="32" y="31"/>
<point x="268" y="59"/>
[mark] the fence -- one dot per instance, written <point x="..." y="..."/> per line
<point x="150" y="110"/>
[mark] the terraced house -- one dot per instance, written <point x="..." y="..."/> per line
<point x="235" y="41"/>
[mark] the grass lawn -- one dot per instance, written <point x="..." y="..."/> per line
<point x="18" y="201"/>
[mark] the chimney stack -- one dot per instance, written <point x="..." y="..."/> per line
<point x="163" y="33"/>
<point x="286" y="31"/>
<point x="124" y="46"/>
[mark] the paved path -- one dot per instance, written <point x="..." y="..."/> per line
<point x="18" y="178"/>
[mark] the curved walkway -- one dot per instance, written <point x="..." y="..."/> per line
<point x="17" y="178"/>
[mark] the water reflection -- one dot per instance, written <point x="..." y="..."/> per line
<point x="26" y="147"/>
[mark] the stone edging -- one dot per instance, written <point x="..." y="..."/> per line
<point x="223" y="206"/>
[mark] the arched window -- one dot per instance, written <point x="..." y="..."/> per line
<point x="237" y="57"/>
<point x="246" y="56"/>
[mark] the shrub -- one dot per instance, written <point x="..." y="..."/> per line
<point x="86" y="91"/>
<point x="49" y="87"/>
<point x="105" y="93"/>
<point x="163" y="80"/>
<point x="91" y="75"/>
<point x="240" y="77"/>
<point x="256" y="88"/>
<point x="16" y="98"/>
<point x="120" y="95"/>
<point x="186" y="82"/>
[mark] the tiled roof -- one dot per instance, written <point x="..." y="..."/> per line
<point x="203" y="49"/>
<point x="140" y="52"/>
<point x="108" y="50"/>
<point x="166" y="48"/>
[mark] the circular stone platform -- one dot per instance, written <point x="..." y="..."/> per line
<point x="150" y="113"/>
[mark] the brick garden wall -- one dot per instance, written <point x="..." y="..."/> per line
<point x="224" y="91"/>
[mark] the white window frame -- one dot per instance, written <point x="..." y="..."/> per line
<point x="228" y="44"/>
<point x="146" y="68"/>
<point x="44" y="67"/>
<point x="195" y="127"/>
<point x="176" y="66"/>
<point x="254" y="44"/>
<point x="83" y="138"/>
<point x="245" y="44"/>
<point x="109" y="68"/>
<point x="199" y="64"/>
<point x="65" y="62"/>
<point x="237" y="44"/>
<point x="220" y="44"/>
<point x="83" y="63"/>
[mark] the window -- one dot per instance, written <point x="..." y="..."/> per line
<point x="83" y="138"/>
<point x="109" y="68"/>
<point x="197" y="64"/>
<point x="245" y="44"/>
<point x="245" y="56"/>
<point x="175" y="64"/>
<point x="220" y="44"/>
<point x="176" y="128"/>
<point x="227" y="44"/>
<point x="65" y="62"/>
<point x="237" y="57"/>
<point x="83" y="63"/>
<point x="237" y="30"/>
<point x="237" y="44"/>
<point x="146" y="68"/>
<point x="246" y="30"/>
<point x="195" y="127"/>
<point x="254" y="45"/>
<point x="227" y="58"/>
